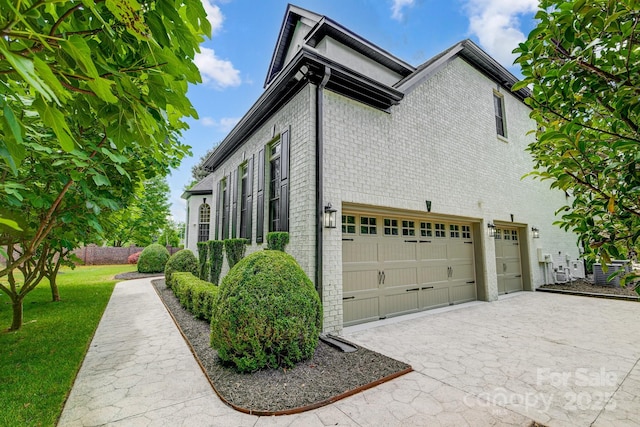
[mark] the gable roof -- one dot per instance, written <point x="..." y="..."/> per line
<point x="287" y="74"/>
<point x="205" y="186"/>
<point x="473" y="55"/>
<point x="326" y="27"/>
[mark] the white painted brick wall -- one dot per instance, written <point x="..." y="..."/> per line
<point x="297" y="116"/>
<point x="439" y="144"/>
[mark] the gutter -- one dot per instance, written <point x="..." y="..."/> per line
<point x="319" y="175"/>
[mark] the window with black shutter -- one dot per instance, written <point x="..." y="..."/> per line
<point x="246" y="198"/>
<point x="204" y="218"/>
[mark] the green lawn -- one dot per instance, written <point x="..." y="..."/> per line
<point x="39" y="363"/>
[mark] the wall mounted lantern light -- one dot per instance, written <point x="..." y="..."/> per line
<point x="329" y="216"/>
<point x="492" y="229"/>
<point x="535" y="233"/>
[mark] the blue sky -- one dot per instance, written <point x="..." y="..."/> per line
<point x="234" y="61"/>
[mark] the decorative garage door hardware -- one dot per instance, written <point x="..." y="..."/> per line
<point x="381" y="277"/>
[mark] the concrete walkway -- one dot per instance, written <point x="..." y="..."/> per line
<point x="560" y="360"/>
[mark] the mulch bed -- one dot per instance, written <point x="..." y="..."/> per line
<point x="328" y="376"/>
<point x="586" y="286"/>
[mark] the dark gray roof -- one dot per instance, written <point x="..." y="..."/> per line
<point x="283" y="83"/>
<point x="203" y="187"/>
<point x="473" y="55"/>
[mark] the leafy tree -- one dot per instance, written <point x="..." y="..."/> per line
<point x="582" y="62"/>
<point x="172" y="234"/>
<point x="143" y="218"/>
<point x="92" y="100"/>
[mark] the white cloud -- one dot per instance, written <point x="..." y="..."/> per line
<point x="218" y="72"/>
<point x="397" y="6"/>
<point x="496" y="23"/>
<point x="225" y="124"/>
<point x="214" y="15"/>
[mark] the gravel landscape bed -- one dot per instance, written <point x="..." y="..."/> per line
<point x="583" y="285"/>
<point x="329" y="374"/>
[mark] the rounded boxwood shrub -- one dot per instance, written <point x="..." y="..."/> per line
<point x="267" y="313"/>
<point x="153" y="259"/>
<point x="183" y="261"/>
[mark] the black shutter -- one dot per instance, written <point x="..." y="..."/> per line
<point x="218" y="202"/>
<point x="225" y="215"/>
<point x="249" y="201"/>
<point x="284" y="181"/>
<point x="234" y="217"/>
<point x="260" y="199"/>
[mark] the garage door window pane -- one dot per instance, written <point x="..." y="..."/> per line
<point x="441" y="230"/>
<point x="454" y="231"/>
<point x="349" y="224"/>
<point x="390" y="227"/>
<point x="514" y="235"/>
<point x="408" y="228"/>
<point x="498" y="234"/>
<point x="466" y="232"/>
<point x="368" y="225"/>
<point x="507" y="235"/>
<point x="426" y="229"/>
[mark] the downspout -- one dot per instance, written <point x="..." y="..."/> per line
<point x="319" y="176"/>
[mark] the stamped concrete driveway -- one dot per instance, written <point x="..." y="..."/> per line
<point x="558" y="359"/>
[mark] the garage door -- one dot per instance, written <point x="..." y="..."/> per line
<point x="395" y="265"/>
<point x="508" y="265"/>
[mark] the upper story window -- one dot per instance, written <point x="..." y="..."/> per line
<point x="274" y="187"/>
<point x="204" y="218"/>
<point x="498" y="106"/>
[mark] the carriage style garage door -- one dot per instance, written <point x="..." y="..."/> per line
<point x="508" y="265"/>
<point x="394" y="265"/>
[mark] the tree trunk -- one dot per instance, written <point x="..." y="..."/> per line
<point x="16" y="323"/>
<point x="55" y="295"/>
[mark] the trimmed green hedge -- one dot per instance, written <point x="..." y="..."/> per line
<point x="267" y="313"/>
<point x="182" y="261"/>
<point x="277" y="240"/>
<point x="153" y="259"/>
<point x="216" y="255"/>
<point x="203" y="272"/>
<point x="235" y="249"/>
<point x="195" y="295"/>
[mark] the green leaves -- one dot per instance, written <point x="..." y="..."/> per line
<point x="583" y="66"/>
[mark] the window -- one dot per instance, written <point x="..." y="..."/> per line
<point x="225" y="209"/>
<point x="514" y="235"/>
<point x="368" y="225"/>
<point x="390" y="227"/>
<point x="408" y="228"/>
<point x="348" y="224"/>
<point x="204" y="217"/>
<point x="454" y="231"/>
<point x="426" y="229"/>
<point x="498" y="106"/>
<point x="274" y="187"/>
<point x="441" y="230"/>
<point x="498" y="234"/>
<point x="466" y="232"/>
<point x="245" y="222"/>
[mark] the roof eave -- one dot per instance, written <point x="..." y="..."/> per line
<point x="343" y="81"/>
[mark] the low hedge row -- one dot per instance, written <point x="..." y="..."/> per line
<point x="194" y="294"/>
